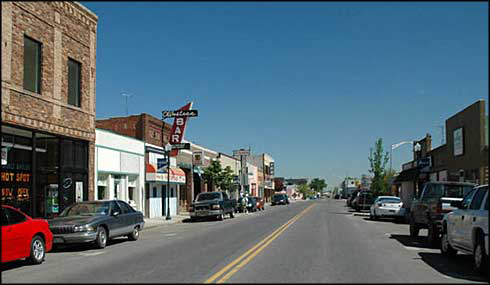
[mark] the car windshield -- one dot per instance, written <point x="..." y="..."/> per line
<point x="86" y="209"/>
<point x="208" y="196"/>
<point x="451" y="191"/>
<point x="389" y="200"/>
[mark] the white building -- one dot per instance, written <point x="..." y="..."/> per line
<point x="119" y="168"/>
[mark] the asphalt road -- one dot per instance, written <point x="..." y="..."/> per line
<point x="316" y="241"/>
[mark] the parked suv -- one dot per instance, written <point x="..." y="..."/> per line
<point x="466" y="229"/>
<point x="363" y="201"/>
<point x="427" y="211"/>
<point x="211" y="204"/>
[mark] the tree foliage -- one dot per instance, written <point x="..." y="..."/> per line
<point x="318" y="184"/>
<point x="213" y="174"/>
<point x="378" y="159"/>
<point x="305" y="190"/>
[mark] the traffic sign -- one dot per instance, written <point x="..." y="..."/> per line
<point x="181" y="146"/>
<point x="179" y="113"/>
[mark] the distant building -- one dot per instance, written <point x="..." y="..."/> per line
<point x="296" y="181"/>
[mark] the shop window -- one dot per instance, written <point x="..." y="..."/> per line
<point x="101" y="192"/>
<point x="74" y="80"/>
<point x="131" y="193"/>
<point x="154" y="192"/>
<point x="32" y="65"/>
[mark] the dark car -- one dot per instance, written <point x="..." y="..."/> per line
<point x="280" y="199"/>
<point x="251" y="204"/>
<point x="363" y="201"/>
<point x="435" y="201"/>
<point x="212" y="204"/>
<point x="96" y="221"/>
<point x="351" y="197"/>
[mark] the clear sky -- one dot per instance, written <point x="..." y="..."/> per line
<point x="312" y="84"/>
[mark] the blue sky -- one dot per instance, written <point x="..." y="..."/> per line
<point x="312" y="84"/>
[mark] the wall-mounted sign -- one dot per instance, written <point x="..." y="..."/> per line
<point x="162" y="165"/>
<point x="180" y="119"/>
<point x="4" y="155"/>
<point x="179" y="113"/>
<point x="458" y="141"/>
<point x="181" y="146"/>
<point x="198" y="158"/>
<point x="67" y="182"/>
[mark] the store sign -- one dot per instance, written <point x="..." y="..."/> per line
<point x="458" y="141"/>
<point x="179" y="125"/>
<point x="425" y="164"/>
<point x="4" y="155"/>
<point x="181" y="146"/>
<point x="17" y="177"/>
<point x="198" y="158"/>
<point x="241" y="152"/>
<point x="162" y="165"/>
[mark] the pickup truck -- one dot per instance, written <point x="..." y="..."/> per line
<point x="211" y="204"/>
<point x="435" y="201"/>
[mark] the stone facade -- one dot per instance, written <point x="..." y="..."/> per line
<point x="65" y="30"/>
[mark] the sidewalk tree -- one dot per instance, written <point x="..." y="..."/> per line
<point x="305" y="190"/>
<point x="212" y="173"/>
<point x="318" y="184"/>
<point x="378" y="159"/>
<point x="225" y="179"/>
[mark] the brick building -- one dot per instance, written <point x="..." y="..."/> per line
<point x="48" y="105"/>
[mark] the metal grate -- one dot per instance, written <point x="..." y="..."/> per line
<point x="62" y="229"/>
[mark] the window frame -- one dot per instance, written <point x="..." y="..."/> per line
<point x="79" y="89"/>
<point x="113" y="209"/>
<point x="8" y="212"/>
<point x="39" y="62"/>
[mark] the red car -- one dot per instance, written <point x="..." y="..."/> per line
<point x="24" y="237"/>
<point x="260" y="203"/>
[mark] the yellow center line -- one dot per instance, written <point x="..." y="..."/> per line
<point x="249" y="258"/>
<point x="219" y="273"/>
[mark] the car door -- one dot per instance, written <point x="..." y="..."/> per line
<point x="470" y="217"/>
<point x="7" y="239"/>
<point x="116" y="224"/>
<point x="16" y="234"/>
<point x="127" y="216"/>
<point x="456" y="219"/>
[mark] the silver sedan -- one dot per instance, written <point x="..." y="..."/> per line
<point x="387" y="206"/>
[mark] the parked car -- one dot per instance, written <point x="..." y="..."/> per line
<point x="211" y="204"/>
<point x="24" y="237"/>
<point x="466" y="228"/>
<point x="337" y="196"/>
<point x="280" y="199"/>
<point x="387" y="207"/>
<point x="251" y="204"/>
<point x="351" y="198"/>
<point x="427" y="211"/>
<point x="363" y="200"/>
<point x="96" y="222"/>
<point x="260" y="203"/>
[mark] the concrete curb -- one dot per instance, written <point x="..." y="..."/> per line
<point x="361" y="214"/>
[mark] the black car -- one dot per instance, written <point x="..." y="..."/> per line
<point x="280" y="199"/>
<point x="96" y="221"/>
<point x="212" y="204"/>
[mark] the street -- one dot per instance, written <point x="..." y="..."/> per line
<point x="318" y="241"/>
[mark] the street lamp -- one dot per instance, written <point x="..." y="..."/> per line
<point x="417" y="148"/>
<point x="394" y="146"/>
<point x="168" y="148"/>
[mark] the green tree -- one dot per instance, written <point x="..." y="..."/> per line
<point x="318" y="184"/>
<point x="225" y="179"/>
<point x="389" y="175"/>
<point x="378" y="159"/>
<point x="305" y="190"/>
<point x="212" y="173"/>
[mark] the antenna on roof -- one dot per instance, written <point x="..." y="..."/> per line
<point x="126" y="95"/>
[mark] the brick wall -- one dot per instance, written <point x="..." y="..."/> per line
<point x="65" y="29"/>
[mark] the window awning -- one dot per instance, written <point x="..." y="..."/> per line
<point x="408" y="175"/>
<point x="177" y="175"/>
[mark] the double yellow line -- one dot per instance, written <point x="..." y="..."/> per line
<point x="251" y="253"/>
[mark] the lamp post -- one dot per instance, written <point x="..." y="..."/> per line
<point x="168" y="148"/>
<point x="394" y="146"/>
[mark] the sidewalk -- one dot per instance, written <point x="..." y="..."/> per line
<point x="160" y="221"/>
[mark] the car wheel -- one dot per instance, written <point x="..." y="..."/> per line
<point x="414" y="229"/>
<point x="446" y="248"/>
<point x="480" y="258"/>
<point x="38" y="250"/>
<point x="232" y="215"/>
<point x="135" y="234"/>
<point x="220" y="217"/>
<point x="101" y="239"/>
<point x="433" y="238"/>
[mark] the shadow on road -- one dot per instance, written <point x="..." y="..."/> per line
<point x="407" y="240"/>
<point x="384" y="220"/>
<point x="85" y="246"/>
<point x="457" y="267"/>
<point x="15" y="264"/>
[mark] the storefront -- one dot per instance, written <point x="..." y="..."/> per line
<point x="42" y="183"/>
<point x="157" y="202"/>
<point x="120" y="168"/>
